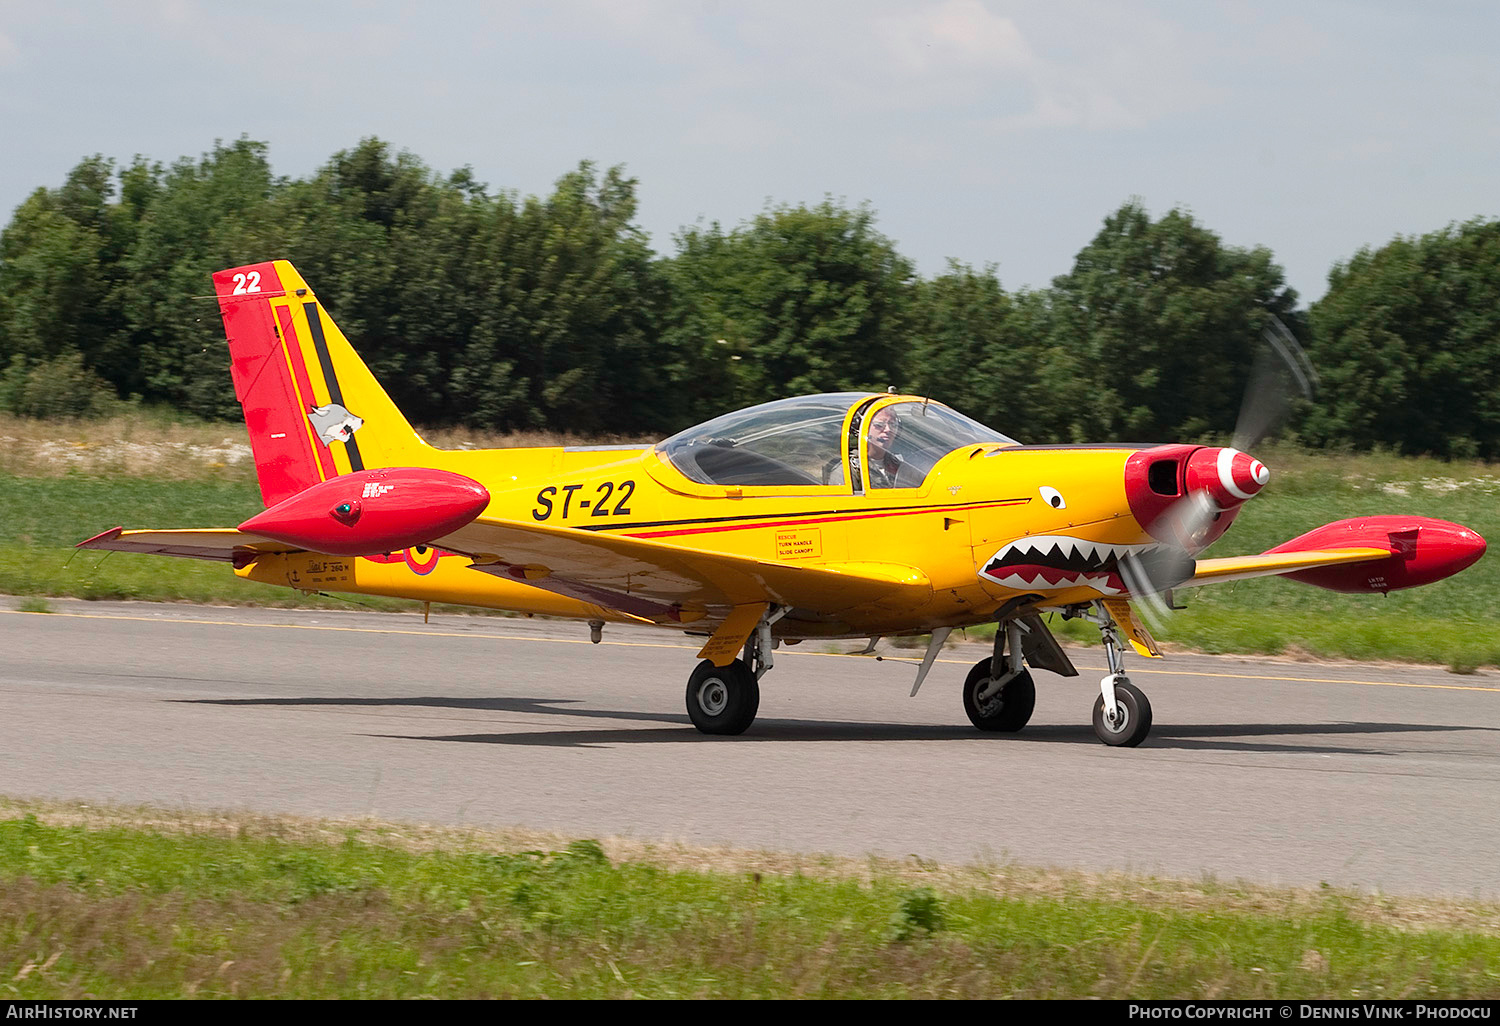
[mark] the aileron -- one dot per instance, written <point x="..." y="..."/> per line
<point x="219" y="544"/>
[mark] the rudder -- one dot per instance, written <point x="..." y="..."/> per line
<point x="312" y="408"/>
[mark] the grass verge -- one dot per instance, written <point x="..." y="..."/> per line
<point x="137" y="904"/>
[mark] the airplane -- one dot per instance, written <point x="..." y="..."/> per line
<point x="836" y="516"/>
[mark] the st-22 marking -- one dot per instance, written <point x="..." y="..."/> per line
<point x="597" y="506"/>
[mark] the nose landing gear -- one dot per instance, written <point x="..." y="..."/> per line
<point x="1122" y="713"/>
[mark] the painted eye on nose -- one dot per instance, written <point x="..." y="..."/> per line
<point x="1052" y="497"/>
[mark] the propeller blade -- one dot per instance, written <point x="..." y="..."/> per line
<point x="1281" y="372"/>
<point x="1186" y="521"/>
<point x="1143" y="592"/>
<point x="1149" y="574"/>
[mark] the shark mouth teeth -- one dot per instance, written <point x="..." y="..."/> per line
<point x="1058" y="562"/>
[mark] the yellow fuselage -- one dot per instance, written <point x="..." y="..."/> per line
<point x="974" y="501"/>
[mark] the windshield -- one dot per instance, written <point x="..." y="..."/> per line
<point x="906" y="439"/>
<point x="786" y="442"/>
<point x="800" y="441"/>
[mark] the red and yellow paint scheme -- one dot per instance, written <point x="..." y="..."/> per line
<point x="797" y="519"/>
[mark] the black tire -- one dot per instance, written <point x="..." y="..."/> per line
<point x="1006" y="712"/>
<point x="1136" y="721"/>
<point x="723" y="699"/>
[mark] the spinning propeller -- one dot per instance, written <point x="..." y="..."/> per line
<point x="1215" y="481"/>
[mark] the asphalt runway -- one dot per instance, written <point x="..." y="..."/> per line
<point x="1378" y="777"/>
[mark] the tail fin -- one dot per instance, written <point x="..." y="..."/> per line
<point x="313" y="409"/>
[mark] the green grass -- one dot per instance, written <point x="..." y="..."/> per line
<point x="254" y="908"/>
<point x="1450" y="623"/>
<point x="43" y="518"/>
<point x="59" y="512"/>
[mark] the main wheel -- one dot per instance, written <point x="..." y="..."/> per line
<point x="723" y="699"/>
<point x="1008" y="711"/>
<point x="1134" y="721"/>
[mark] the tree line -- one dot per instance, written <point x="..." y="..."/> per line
<point x="493" y="310"/>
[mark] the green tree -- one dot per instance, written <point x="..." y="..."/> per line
<point x="564" y="292"/>
<point x="383" y="242"/>
<point x="802" y="299"/>
<point x="1161" y="321"/>
<point x="990" y="354"/>
<point x="205" y="214"/>
<point x="487" y="310"/>
<point x="1407" y="340"/>
<point x="59" y="387"/>
<point x="62" y="281"/>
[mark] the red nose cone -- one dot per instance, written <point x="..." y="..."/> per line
<point x="1188" y="494"/>
<point x="1227" y="476"/>
<point x="373" y="511"/>
<point x="1153" y="481"/>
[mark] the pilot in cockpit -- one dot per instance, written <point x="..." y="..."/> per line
<point x="885" y="464"/>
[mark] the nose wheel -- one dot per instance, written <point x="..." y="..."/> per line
<point x="1122" y="713"/>
<point x="1129" y="722"/>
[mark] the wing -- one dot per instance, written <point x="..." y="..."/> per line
<point x="645" y="578"/>
<point x="656" y="580"/>
<point x="221" y="544"/>
<point x="1267" y="564"/>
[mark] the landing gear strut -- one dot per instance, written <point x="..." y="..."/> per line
<point x="999" y="694"/>
<point x="1122" y="714"/>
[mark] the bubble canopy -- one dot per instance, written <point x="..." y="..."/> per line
<point x="801" y="441"/>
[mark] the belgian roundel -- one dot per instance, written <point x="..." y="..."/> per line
<point x="421" y="559"/>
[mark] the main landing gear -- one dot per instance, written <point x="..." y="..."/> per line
<point x="725" y="699"/>
<point x="999" y="694"/>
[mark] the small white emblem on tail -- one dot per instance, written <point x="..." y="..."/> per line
<point x="333" y="423"/>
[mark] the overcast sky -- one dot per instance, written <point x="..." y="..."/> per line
<point x="990" y="132"/>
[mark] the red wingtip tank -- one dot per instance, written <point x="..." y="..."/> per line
<point x="373" y="511"/>
<point x="1423" y="550"/>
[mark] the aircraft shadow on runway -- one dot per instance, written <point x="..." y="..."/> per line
<point x="1206" y="738"/>
<point x="1229" y="737"/>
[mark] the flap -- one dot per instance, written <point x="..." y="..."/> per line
<point x="660" y="572"/>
